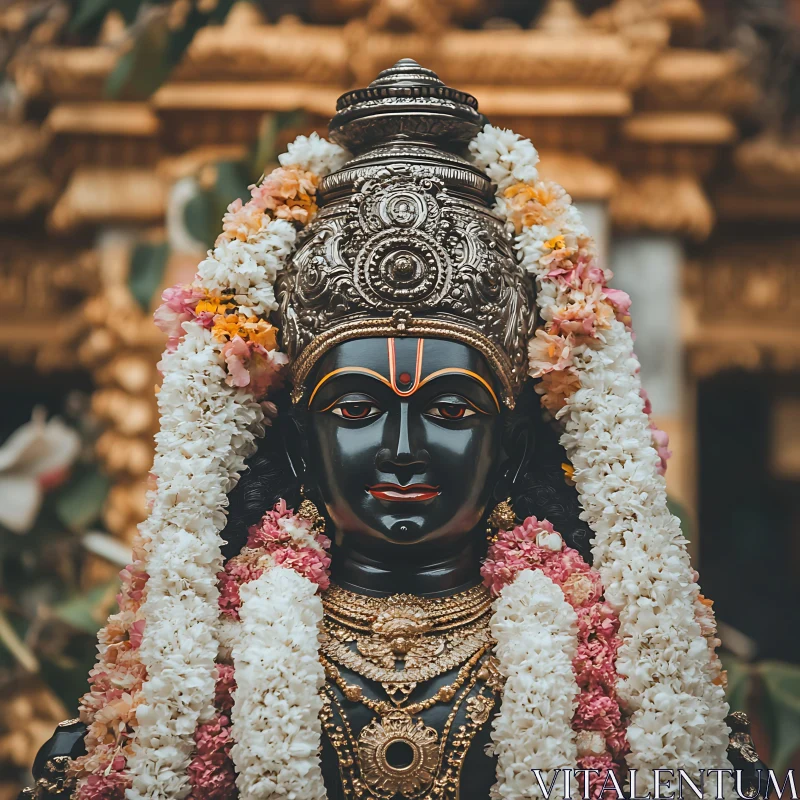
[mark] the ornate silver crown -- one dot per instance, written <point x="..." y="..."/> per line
<point x="404" y="243"/>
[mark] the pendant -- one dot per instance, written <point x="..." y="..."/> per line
<point x="398" y="755"/>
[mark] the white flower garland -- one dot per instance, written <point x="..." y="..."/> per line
<point x="208" y="429"/>
<point x="277" y="704"/>
<point x="677" y="713"/>
<point x="536" y="633"/>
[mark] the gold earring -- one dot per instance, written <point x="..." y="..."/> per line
<point x="309" y="511"/>
<point x="502" y="518"/>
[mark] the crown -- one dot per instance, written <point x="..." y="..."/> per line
<point x="405" y="243"/>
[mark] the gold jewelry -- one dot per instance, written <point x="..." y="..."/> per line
<point x="309" y="511"/>
<point x="367" y="765"/>
<point x="445" y="694"/>
<point x="398" y="755"/>
<point x="401" y="641"/>
<point x="362" y="612"/>
<point x="502" y="518"/>
<point x="425" y="636"/>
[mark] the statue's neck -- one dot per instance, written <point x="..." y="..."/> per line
<point x="425" y="574"/>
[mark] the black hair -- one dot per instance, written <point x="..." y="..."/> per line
<point x="540" y="488"/>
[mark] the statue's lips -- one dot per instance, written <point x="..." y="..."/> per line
<point x="413" y="493"/>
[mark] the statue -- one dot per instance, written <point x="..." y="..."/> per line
<point x="409" y="538"/>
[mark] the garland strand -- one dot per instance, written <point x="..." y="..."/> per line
<point x="583" y="356"/>
<point x="597" y="721"/>
<point x="536" y="634"/>
<point x="154" y="684"/>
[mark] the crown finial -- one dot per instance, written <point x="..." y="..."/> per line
<point x="408" y="101"/>
<point x="407" y="72"/>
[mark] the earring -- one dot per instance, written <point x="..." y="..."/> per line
<point x="309" y="511"/>
<point x="502" y="518"/>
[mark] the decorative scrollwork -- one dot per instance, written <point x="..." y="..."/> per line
<point x="405" y="228"/>
<point x="403" y="241"/>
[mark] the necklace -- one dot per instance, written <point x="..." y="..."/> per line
<point x="362" y="612"/>
<point x="399" y="642"/>
<point x="402" y="640"/>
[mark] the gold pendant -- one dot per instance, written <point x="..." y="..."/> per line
<point x="398" y="755"/>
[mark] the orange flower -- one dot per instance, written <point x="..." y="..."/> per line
<point x="250" y="329"/>
<point x="289" y="193"/>
<point x="213" y="304"/>
<point x="226" y="327"/>
<point x="547" y="352"/>
<point x="261" y="332"/>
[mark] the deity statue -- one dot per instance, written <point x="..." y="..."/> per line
<point x="409" y="538"/>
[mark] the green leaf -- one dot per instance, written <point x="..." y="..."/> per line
<point x="782" y="711"/>
<point x="199" y="219"/>
<point x="148" y="263"/>
<point x="157" y="50"/>
<point x="740" y="681"/>
<point x="231" y="182"/>
<point x="79" y="503"/>
<point x="266" y="148"/>
<point x="128" y="8"/>
<point x="88" y="612"/>
<point x="143" y="68"/>
<point x="88" y="11"/>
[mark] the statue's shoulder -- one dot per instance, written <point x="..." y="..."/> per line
<point x="743" y="756"/>
<point x="51" y="766"/>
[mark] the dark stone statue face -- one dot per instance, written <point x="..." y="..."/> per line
<point x="405" y="440"/>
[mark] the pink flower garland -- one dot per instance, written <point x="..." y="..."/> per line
<point x="109" y="707"/>
<point x="598" y="720"/>
<point x="283" y="539"/>
<point x="212" y="774"/>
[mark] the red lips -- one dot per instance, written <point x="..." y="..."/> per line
<point x="413" y="493"/>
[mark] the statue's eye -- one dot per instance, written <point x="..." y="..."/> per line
<point x="356" y="410"/>
<point x="450" y="411"/>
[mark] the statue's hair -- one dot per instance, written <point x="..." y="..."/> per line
<point x="540" y="490"/>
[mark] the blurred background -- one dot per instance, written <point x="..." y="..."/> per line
<point x="126" y="127"/>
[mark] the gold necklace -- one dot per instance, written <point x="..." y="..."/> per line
<point x="445" y="694"/>
<point x="426" y="637"/>
<point x="362" y="612"/>
<point x="368" y="765"/>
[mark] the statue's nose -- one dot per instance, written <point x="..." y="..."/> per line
<point x="402" y="454"/>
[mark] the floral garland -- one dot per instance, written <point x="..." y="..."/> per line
<point x="159" y="716"/>
<point x="585" y="700"/>
<point x="588" y="380"/>
<point x="211" y="771"/>
<point x="153" y="697"/>
<point x="271" y="587"/>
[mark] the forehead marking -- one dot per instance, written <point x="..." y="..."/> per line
<point x="392" y="382"/>
<point x="390" y="344"/>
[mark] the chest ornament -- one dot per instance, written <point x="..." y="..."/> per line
<point x="400" y="643"/>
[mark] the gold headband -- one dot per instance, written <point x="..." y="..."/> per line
<point x="402" y="324"/>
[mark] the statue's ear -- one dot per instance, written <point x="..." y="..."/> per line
<point x="518" y="446"/>
<point x="294" y="445"/>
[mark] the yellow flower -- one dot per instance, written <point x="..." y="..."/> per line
<point x="226" y="327"/>
<point x="251" y="329"/>
<point x="521" y="192"/>
<point x="569" y="473"/>
<point x="556" y="243"/>
<point x="213" y="305"/>
<point x="261" y="332"/>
